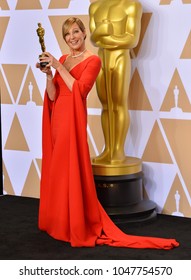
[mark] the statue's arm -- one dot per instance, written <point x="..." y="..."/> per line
<point x="105" y="36"/>
<point x="98" y="29"/>
<point x="133" y="25"/>
<point x="130" y="37"/>
<point x="92" y="9"/>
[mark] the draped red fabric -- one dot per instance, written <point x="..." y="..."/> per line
<point x="69" y="209"/>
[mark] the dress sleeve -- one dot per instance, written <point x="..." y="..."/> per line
<point x="88" y="77"/>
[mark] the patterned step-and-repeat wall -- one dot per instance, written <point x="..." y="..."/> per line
<point x="159" y="96"/>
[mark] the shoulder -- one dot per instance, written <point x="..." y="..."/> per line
<point x="95" y="59"/>
<point x="92" y="56"/>
<point x="93" y="6"/>
<point x="134" y="8"/>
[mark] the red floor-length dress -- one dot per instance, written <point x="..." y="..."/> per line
<point x="69" y="209"/>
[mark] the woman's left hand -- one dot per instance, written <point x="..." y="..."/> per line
<point x="52" y="61"/>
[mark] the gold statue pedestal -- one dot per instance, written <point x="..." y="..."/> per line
<point x="120" y="191"/>
<point x="128" y="166"/>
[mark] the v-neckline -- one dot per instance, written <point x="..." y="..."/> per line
<point x="77" y="63"/>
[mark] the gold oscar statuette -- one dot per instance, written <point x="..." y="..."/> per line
<point x="115" y="29"/>
<point x="41" y="32"/>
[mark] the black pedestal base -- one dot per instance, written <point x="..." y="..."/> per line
<point x="140" y="212"/>
<point x="122" y="198"/>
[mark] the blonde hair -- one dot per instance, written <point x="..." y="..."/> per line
<point x="69" y="22"/>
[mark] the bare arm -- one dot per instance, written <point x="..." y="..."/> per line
<point x="50" y="86"/>
<point x="68" y="79"/>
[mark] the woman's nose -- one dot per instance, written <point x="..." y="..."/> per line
<point x="72" y="35"/>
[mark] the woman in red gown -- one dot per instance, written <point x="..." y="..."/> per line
<point x="69" y="209"/>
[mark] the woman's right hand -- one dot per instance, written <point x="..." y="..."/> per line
<point x="45" y="69"/>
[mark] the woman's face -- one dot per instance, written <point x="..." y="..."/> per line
<point x="75" y="37"/>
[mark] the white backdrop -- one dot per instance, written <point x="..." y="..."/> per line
<point x="160" y="130"/>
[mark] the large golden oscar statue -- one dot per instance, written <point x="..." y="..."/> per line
<point x="115" y="27"/>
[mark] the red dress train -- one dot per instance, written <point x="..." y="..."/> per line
<point x="69" y="209"/>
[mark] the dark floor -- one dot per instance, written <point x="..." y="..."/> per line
<point x="20" y="238"/>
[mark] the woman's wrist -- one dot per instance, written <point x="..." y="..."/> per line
<point x="59" y="67"/>
<point x="49" y="76"/>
